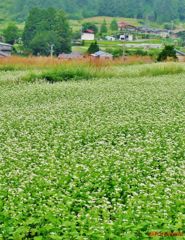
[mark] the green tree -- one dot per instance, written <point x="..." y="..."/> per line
<point x="63" y="31"/>
<point x="167" y="52"/>
<point x="91" y="26"/>
<point x="94" y="47"/>
<point x="11" y="33"/>
<point x="41" y="25"/>
<point x="114" y="25"/>
<point x="42" y="42"/>
<point x="103" y="28"/>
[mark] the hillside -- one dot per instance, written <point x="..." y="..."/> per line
<point x="155" y="10"/>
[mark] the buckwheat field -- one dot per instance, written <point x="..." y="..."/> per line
<point x="96" y="159"/>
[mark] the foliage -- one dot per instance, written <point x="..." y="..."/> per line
<point x="155" y="10"/>
<point x="116" y="52"/>
<point x="103" y="28"/>
<point x="66" y="73"/>
<point x="139" y="52"/>
<point x="169" y="26"/>
<point x="94" y="47"/>
<point x="181" y="35"/>
<point x="167" y="52"/>
<point x="11" y="33"/>
<point x="90" y="26"/>
<point x="46" y="27"/>
<point x="42" y="42"/>
<point x="98" y="160"/>
<point x="114" y="25"/>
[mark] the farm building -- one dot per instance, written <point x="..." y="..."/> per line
<point x="124" y="25"/>
<point x="5" y="49"/>
<point x="110" y="38"/>
<point x="70" y="56"/>
<point x="102" y="55"/>
<point x="180" y="56"/>
<point x="126" y="37"/>
<point x="88" y="35"/>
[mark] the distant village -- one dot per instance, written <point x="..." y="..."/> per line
<point x="127" y="35"/>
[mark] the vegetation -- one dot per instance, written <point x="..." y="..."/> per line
<point x="93" y="48"/>
<point x="47" y="28"/>
<point x="89" y="26"/>
<point x="92" y="160"/>
<point x="114" y="25"/>
<point x="11" y="33"/>
<point x="167" y="52"/>
<point x="103" y="29"/>
<point x="156" y="10"/>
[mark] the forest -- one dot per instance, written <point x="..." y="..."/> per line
<point x="155" y="10"/>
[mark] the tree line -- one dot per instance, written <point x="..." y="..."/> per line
<point x="155" y="10"/>
<point x="46" y="31"/>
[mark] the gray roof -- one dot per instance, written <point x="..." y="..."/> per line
<point x="70" y="55"/>
<point x="101" y="54"/>
<point x="5" y="44"/>
<point x="179" y="52"/>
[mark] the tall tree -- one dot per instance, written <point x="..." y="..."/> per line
<point x="39" y="26"/>
<point x="103" y="28"/>
<point x="11" y="33"/>
<point x="114" y="25"/>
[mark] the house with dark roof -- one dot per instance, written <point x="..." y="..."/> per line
<point x="5" y="49"/>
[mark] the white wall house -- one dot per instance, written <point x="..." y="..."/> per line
<point x="110" y="38"/>
<point x="126" y="37"/>
<point x="88" y="36"/>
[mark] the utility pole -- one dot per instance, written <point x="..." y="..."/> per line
<point x="51" y="50"/>
<point x="124" y="52"/>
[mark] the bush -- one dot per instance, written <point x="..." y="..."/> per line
<point x="94" y="47"/>
<point x="116" y="52"/>
<point x="69" y="72"/>
<point x="167" y="52"/>
<point x="141" y="52"/>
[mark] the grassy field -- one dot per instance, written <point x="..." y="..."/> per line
<point x="101" y="158"/>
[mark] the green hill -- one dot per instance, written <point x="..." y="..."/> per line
<point x="154" y="10"/>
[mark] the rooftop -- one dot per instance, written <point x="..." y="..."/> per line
<point x="179" y="52"/>
<point x="5" y="44"/>
<point x="101" y="53"/>
<point x="88" y="31"/>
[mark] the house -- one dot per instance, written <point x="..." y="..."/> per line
<point x="88" y="35"/>
<point x="2" y="54"/>
<point x="5" y="49"/>
<point x="70" y="56"/>
<point x="110" y="38"/>
<point x="180" y="55"/>
<point x="102" y="55"/>
<point x="164" y="33"/>
<point x="124" y="25"/>
<point x="126" y="37"/>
